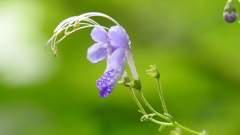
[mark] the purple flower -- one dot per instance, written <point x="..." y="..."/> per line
<point x="112" y="45"/>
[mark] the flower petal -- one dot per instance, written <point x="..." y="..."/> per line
<point x="117" y="60"/>
<point x="118" y="37"/>
<point x="115" y="69"/>
<point x="99" y="34"/>
<point x="96" y="52"/>
<point x="106" y="83"/>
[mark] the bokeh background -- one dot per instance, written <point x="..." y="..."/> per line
<point x="196" y="51"/>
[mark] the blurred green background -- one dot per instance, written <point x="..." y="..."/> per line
<point x="196" y="51"/>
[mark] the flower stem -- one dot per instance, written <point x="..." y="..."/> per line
<point x="160" y="123"/>
<point x="160" y="92"/>
<point x="144" y="112"/>
<point x="136" y="101"/>
<point x="188" y="130"/>
<point x="151" y="108"/>
<point x="171" y="121"/>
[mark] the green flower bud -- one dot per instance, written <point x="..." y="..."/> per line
<point x="153" y="72"/>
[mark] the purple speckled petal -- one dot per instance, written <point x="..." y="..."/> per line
<point x="106" y="83"/>
<point x="118" y="37"/>
<point x="115" y="69"/>
<point x="96" y="52"/>
<point x="99" y="34"/>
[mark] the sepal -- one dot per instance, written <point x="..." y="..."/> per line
<point x="124" y="81"/>
<point x="136" y="84"/>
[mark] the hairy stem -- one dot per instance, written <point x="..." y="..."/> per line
<point x="151" y="108"/>
<point x="136" y="101"/>
<point x="160" y="92"/>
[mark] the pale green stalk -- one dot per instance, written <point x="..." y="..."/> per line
<point x="160" y="92"/>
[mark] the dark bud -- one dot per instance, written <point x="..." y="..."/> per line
<point x="230" y="17"/>
<point x="229" y="14"/>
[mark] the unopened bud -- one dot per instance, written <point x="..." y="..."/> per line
<point x="229" y="14"/>
<point x="230" y="17"/>
<point x="153" y="71"/>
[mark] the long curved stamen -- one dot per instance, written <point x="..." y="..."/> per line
<point x="91" y="14"/>
<point x="83" y="20"/>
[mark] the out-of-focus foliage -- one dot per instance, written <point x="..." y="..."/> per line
<point x="196" y="51"/>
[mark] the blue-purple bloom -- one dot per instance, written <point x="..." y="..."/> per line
<point x="230" y="17"/>
<point x="113" y="46"/>
<point x="229" y="14"/>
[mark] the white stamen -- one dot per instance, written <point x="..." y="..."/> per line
<point x="77" y="22"/>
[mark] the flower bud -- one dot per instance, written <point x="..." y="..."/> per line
<point x="230" y="17"/>
<point x="153" y="71"/>
<point x="229" y="14"/>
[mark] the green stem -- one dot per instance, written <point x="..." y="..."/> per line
<point x="173" y="122"/>
<point x="136" y="101"/>
<point x="160" y="123"/>
<point x="144" y="112"/>
<point x="160" y="92"/>
<point x="188" y="130"/>
<point x="151" y="108"/>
